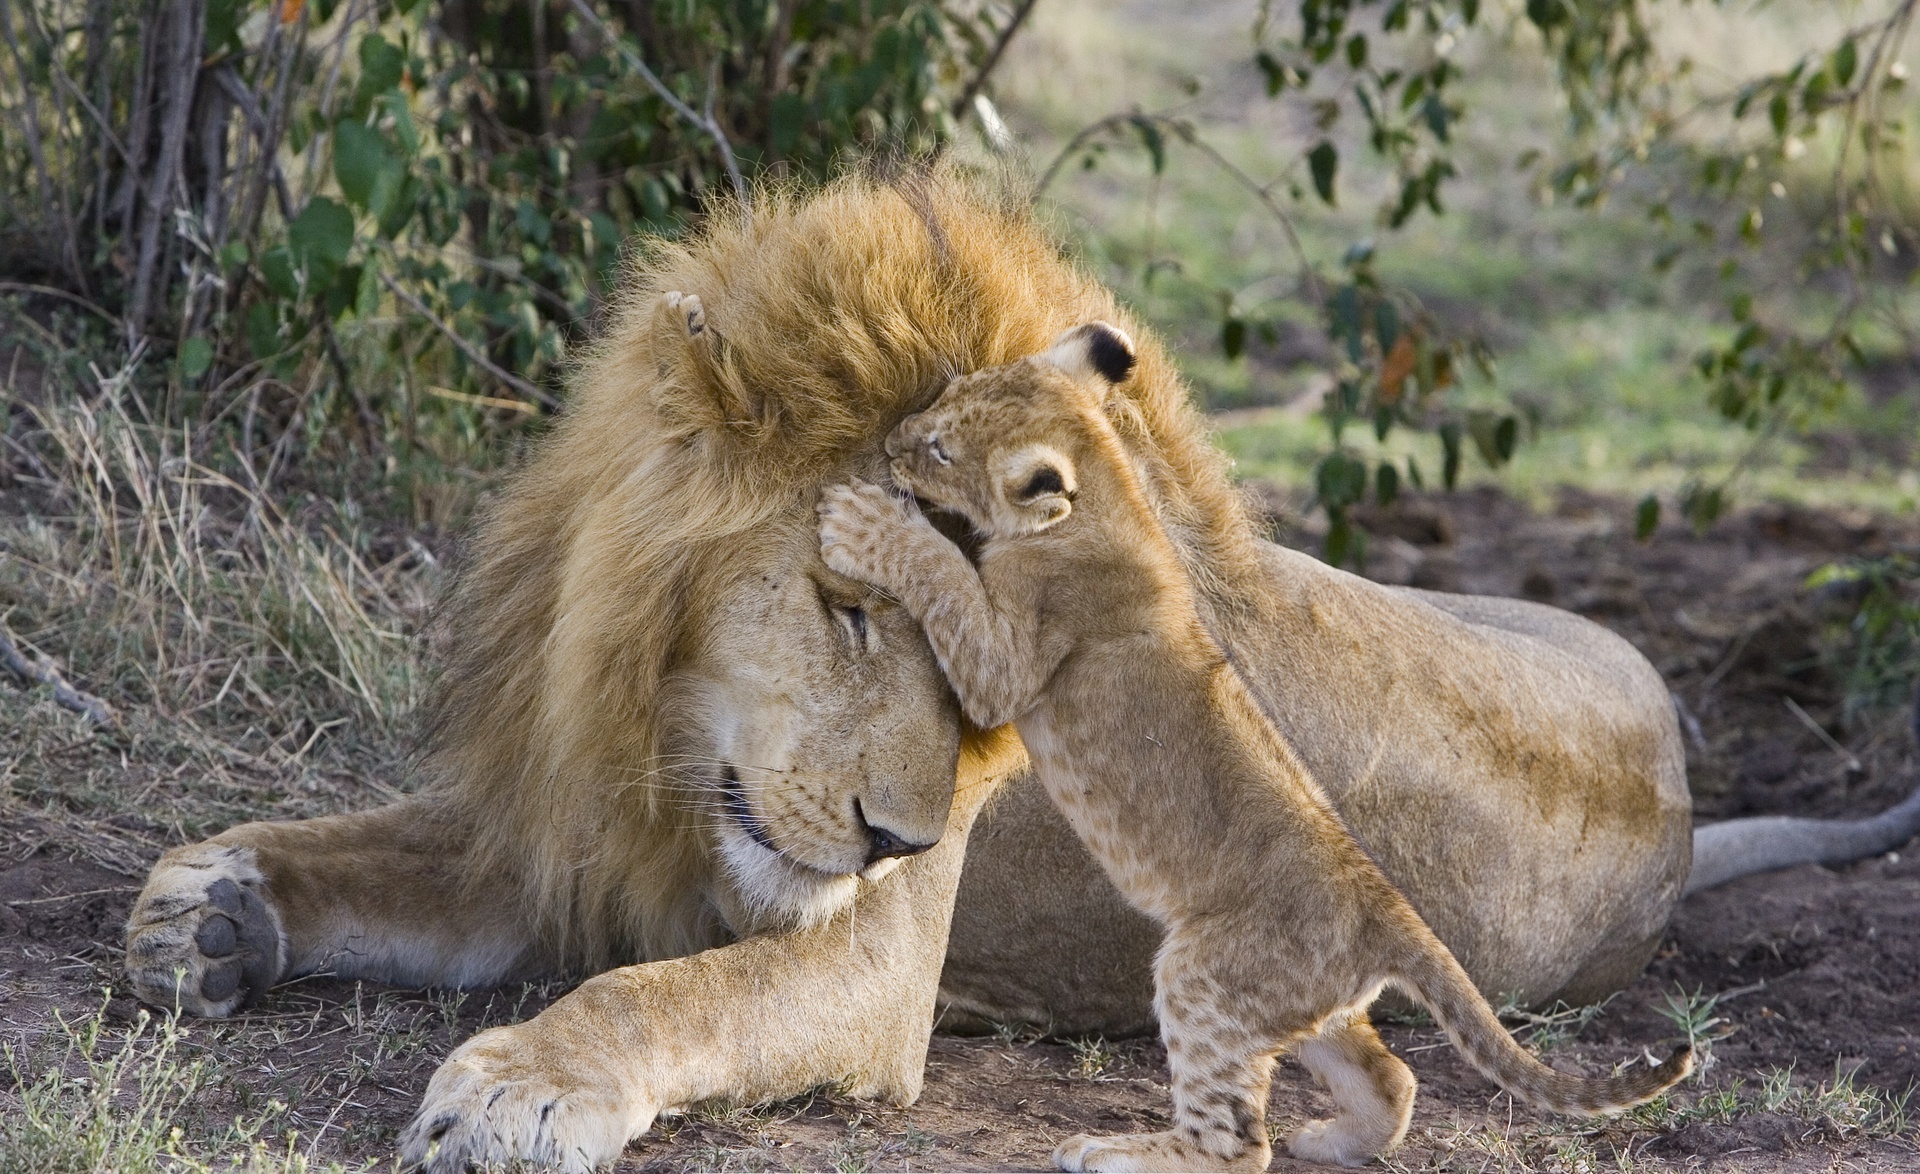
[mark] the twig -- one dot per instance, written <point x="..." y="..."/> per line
<point x="1853" y="764"/>
<point x="473" y="353"/>
<point x="1184" y="133"/>
<point x="1072" y="148"/>
<point x="484" y="401"/>
<point x="49" y="291"/>
<point x="705" y="122"/>
<point x="44" y="672"/>
<point x="987" y="67"/>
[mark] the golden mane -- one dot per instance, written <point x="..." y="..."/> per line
<point x="841" y="311"/>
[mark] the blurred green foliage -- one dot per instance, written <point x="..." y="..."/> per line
<point x="267" y="189"/>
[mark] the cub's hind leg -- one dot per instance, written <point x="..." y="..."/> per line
<point x="1222" y="1035"/>
<point x="1372" y="1094"/>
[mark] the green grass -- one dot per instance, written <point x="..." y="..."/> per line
<point x="101" y="1099"/>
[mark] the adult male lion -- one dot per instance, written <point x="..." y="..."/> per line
<point x="665" y="727"/>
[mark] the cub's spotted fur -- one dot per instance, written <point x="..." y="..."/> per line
<point x="1079" y="627"/>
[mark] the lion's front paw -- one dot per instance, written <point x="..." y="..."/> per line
<point x="498" y="1100"/>
<point x="860" y="527"/>
<point x="1151" y="1152"/>
<point x="202" y="937"/>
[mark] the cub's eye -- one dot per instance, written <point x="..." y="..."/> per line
<point x="936" y="452"/>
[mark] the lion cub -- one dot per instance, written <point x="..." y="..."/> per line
<point x="1080" y="628"/>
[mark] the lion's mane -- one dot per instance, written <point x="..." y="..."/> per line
<point x="590" y="581"/>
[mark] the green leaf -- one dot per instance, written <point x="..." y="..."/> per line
<point x="320" y="238"/>
<point x="196" y="355"/>
<point x="1437" y="115"/>
<point x="1150" y="138"/>
<point x="1702" y="505"/>
<point x="1386" y="483"/>
<point x="1233" y="337"/>
<point x="1357" y="51"/>
<point x="381" y="64"/>
<point x="276" y="268"/>
<point x="358" y="157"/>
<point x="1324" y="160"/>
<point x="1386" y="324"/>
<point x="1778" y="111"/>
<point x="385" y="198"/>
<point x="1343" y="312"/>
<point x="1276" y="74"/>
<point x="1340" y="480"/>
<point x="1845" y="59"/>
<point x="1340" y="537"/>
<point x="263" y="331"/>
<point x="1450" y="454"/>
<point x="1493" y="436"/>
<point x="366" y="299"/>
<point x="1646" y="517"/>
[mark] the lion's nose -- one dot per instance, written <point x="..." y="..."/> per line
<point x="883" y="844"/>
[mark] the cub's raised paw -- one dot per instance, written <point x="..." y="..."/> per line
<point x="202" y="937"/>
<point x="686" y="310"/>
<point x="860" y="526"/>
<point x="499" y="1100"/>
<point x="1149" y="1152"/>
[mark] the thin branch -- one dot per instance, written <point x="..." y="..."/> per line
<point x="704" y="122"/>
<point x="473" y="353"/>
<point x="1184" y="133"/>
<point x="1079" y="140"/>
<point x="47" y="290"/>
<point x="987" y="67"/>
<point x="42" y="671"/>
<point x="1262" y="193"/>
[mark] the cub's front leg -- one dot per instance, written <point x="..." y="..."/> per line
<point x="990" y="656"/>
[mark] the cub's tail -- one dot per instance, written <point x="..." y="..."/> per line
<point x="1437" y="981"/>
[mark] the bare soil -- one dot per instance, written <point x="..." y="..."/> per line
<point x="1818" y="970"/>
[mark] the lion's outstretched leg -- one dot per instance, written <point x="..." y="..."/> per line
<point x="378" y="894"/>
<point x="569" y="1087"/>
<point x="1372" y="1094"/>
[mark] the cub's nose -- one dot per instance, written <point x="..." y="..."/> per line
<point x="883" y="844"/>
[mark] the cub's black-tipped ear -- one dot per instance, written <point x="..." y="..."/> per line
<point x="1094" y="349"/>
<point x="1038" y="483"/>
<point x="1043" y="480"/>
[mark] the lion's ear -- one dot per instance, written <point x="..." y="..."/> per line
<point x="1036" y="485"/>
<point x="1097" y="353"/>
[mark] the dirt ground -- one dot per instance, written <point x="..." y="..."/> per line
<point x="1817" y="970"/>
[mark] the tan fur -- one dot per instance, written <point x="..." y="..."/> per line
<point x="1078" y="626"/>
<point x="648" y="593"/>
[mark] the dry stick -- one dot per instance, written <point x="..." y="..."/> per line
<point x="28" y="287"/>
<point x="183" y="71"/>
<point x="706" y="123"/>
<point x="44" y="672"/>
<point x="474" y="353"/>
<point x="987" y="67"/>
<point x="1853" y="764"/>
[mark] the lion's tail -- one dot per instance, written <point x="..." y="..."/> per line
<point x="1438" y="982"/>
